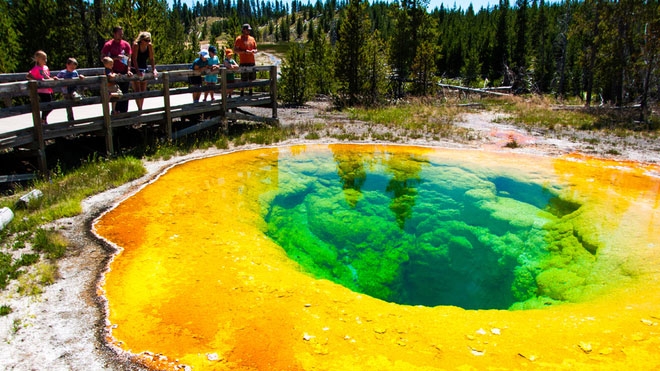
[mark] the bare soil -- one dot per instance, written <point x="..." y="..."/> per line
<point x="62" y="328"/>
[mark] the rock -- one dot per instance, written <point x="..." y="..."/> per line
<point x="380" y="330"/>
<point x="530" y="357"/>
<point x="307" y="337"/>
<point x="586" y="347"/>
<point x="649" y="322"/>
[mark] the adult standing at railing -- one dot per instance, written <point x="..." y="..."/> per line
<point x="143" y="52"/>
<point x="246" y="46"/>
<point x="120" y="51"/>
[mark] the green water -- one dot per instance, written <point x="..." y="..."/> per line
<point x="404" y="229"/>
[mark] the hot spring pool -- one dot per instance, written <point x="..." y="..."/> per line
<point x="320" y="257"/>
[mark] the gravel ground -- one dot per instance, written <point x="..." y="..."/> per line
<point x="62" y="328"/>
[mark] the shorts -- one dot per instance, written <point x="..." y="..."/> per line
<point x="114" y="88"/>
<point x="248" y="75"/>
<point x="195" y="80"/>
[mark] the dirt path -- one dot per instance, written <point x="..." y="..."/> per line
<point x="61" y="329"/>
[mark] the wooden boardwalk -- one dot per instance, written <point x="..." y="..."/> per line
<point x="167" y="102"/>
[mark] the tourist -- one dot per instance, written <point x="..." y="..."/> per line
<point x="113" y="89"/>
<point x="199" y="66"/>
<point x="70" y="72"/>
<point x="230" y="64"/>
<point x="246" y="46"/>
<point x="143" y="52"/>
<point x="120" y="51"/>
<point x="41" y="72"/>
<point x="211" y="79"/>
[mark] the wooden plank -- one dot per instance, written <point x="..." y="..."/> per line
<point x="15" y="111"/>
<point x="167" y="105"/>
<point x="17" y="177"/>
<point x="473" y="90"/>
<point x="197" y="127"/>
<point x="273" y="90"/>
<point x="38" y="128"/>
<point x="107" y="123"/>
<point x="244" y="117"/>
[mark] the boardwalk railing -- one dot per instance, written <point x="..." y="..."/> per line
<point x="170" y="83"/>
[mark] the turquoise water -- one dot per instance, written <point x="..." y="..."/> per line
<point x="405" y="229"/>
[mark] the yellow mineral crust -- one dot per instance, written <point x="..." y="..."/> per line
<point x="197" y="283"/>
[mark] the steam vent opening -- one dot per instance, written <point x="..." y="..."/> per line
<point x="406" y="229"/>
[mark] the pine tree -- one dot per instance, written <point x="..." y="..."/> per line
<point x="323" y="66"/>
<point x="9" y="41"/>
<point x="351" y="52"/>
<point x="295" y="86"/>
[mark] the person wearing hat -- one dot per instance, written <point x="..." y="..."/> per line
<point x="199" y="66"/>
<point x="212" y="78"/>
<point x="230" y="64"/>
<point x="246" y="46"/>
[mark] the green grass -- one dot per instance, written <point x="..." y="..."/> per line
<point x="5" y="310"/>
<point x="62" y="197"/>
<point x="279" y="49"/>
<point x="414" y="120"/>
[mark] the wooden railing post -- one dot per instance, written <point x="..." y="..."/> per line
<point x="167" y="104"/>
<point x="273" y="89"/>
<point x="38" y="128"/>
<point x="107" y="120"/>
<point x="223" y="83"/>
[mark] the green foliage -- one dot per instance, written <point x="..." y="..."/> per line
<point x="323" y="65"/>
<point x="62" y="197"/>
<point x="5" y="310"/>
<point x="424" y="67"/>
<point x="295" y="84"/>
<point x="360" y="60"/>
<point x="9" y="40"/>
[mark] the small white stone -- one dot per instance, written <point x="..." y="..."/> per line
<point x="481" y="331"/>
<point x="477" y="353"/>
<point x="307" y="337"/>
<point x="495" y="331"/>
<point x="212" y="356"/>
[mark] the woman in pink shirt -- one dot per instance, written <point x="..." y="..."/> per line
<point x="40" y="71"/>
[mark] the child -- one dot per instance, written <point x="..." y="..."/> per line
<point x="40" y="71"/>
<point x="230" y="64"/>
<point x="212" y="78"/>
<point x="199" y="66"/>
<point x="70" y="72"/>
<point x="113" y="89"/>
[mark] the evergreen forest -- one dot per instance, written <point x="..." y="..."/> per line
<point x="599" y="51"/>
